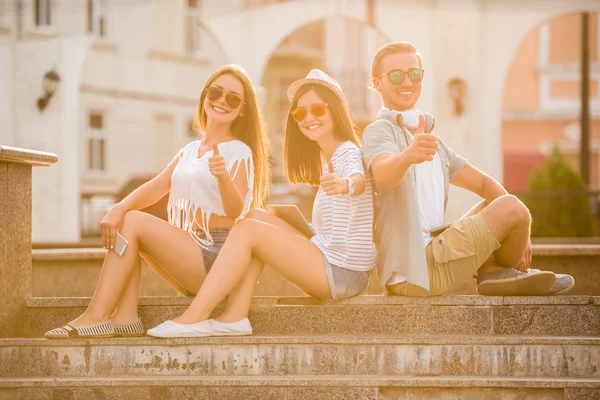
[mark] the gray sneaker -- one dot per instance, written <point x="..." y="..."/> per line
<point x="563" y="284"/>
<point x="510" y="282"/>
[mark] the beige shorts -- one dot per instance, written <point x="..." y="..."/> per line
<point x="454" y="256"/>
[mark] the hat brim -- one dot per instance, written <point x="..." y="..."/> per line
<point x="294" y="87"/>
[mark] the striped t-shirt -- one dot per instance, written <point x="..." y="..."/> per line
<point x="344" y="224"/>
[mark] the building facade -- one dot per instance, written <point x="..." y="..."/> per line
<point x="131" y="72"/>
<point x="541" y="105"/>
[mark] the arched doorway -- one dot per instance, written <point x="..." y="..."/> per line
<point x="343" y="48"/>
<point x="541" y="99"/>
<point x="542" y="111"/>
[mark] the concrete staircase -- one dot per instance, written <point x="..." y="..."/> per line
<point x="460" y="346"/>
<point x="368" y="347"/>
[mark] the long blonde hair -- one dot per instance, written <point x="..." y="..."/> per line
<point x="250" y="129"/>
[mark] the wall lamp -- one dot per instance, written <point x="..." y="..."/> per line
<point x="50" y="84"/>
<point x="457" y="88"/>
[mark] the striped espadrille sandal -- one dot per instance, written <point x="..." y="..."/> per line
<point x="133" y="329"/>
<point x="103" y="330"/>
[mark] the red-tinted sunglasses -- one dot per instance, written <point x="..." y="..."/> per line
<point x="233" y="100"/>
<point x="317" y="110"/>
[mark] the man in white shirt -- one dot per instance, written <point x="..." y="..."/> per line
<point x="412" y="169"/>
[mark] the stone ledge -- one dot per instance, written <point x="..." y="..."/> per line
<point x="25" y="156"/>
<point x="96" y="253"/>
<point x="308" y="381"/>
<point x="272" y="301"/>
<point x="404" y="339"/>
<point x="566" y="250"/>
<point x="83" y="254"/>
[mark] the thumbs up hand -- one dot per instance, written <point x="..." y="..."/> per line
<point x="333" y="184"/>
<point x="424" y="145"/>
<point x="216" y="163"/>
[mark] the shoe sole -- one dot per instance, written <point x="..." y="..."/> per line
<point x="125" y="335"/>
<point x="169" y="336"/>
<point x="529" y="285"/>
<point x="80" y="336"/>
<point x="246" y="333"/>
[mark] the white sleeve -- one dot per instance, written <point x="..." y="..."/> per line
<point x="348" y="161"/>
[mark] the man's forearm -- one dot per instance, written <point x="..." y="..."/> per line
<point x="492" y="189"/>
<point x="391" y="172"/>
<point x="491" y="192"/>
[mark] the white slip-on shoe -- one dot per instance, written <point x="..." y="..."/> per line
<point x="171" y="329"/>
<point x="237" y="328"/>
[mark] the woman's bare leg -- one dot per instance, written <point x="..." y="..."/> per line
<point x="240" y="299"/>
<point x="127" y="307"/>
<point x="294" y="257"/>
<point x="126" y="310"/>
<point x="170" y="246"/>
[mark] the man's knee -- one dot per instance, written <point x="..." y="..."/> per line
<point x="514" y="210"/>
<point x="520" y="211"/>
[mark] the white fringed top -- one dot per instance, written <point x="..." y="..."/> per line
<point x="194" y="188"/>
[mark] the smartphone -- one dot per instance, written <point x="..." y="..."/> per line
<point x="120" y="244"/>
<point x="291" y="214"/>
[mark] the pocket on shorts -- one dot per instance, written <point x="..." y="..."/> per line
<point x="454" y="243"/>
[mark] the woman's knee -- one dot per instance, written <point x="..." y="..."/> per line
<point x="247" y="229"/>
<point x="132" y="221"/>
<point x="258" y="214"/>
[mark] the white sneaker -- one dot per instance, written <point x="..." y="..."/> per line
<point x="238" y="328"/>
<point x="171" y="329"/>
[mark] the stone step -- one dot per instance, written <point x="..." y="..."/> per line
<point x="301" y="387"/>
<point x="370" y="315"/>
<point x="416" y="355"/>
<point x="75" y="272"/>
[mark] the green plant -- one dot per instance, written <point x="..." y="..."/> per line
<point x="558" y="200"/>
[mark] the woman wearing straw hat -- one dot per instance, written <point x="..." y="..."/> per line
<point x="321" y="148"/>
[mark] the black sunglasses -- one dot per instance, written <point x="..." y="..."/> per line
<point x="233" y="100"/>
<point x="396" y="76"/>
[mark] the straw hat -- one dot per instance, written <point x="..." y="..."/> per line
<point x="318" y="77"/>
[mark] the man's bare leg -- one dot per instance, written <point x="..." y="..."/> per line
<point x="510" y="222"/>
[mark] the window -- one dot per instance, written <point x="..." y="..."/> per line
<point x="96" y="16"/>
<point x="43" y="12"/>
<point x="192" y="29"/>
<point x="96" y="143"/>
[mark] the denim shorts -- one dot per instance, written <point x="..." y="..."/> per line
<point x="345" y="282"/>
<point x="209" y="256"/>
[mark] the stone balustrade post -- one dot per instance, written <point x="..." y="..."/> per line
<point x="15" y="234"/>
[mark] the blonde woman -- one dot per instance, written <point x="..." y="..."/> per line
<point x="213" y="182"/>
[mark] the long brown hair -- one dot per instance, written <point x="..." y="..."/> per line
<point x="302" y="156"/>
<point x="250" y="129"/>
